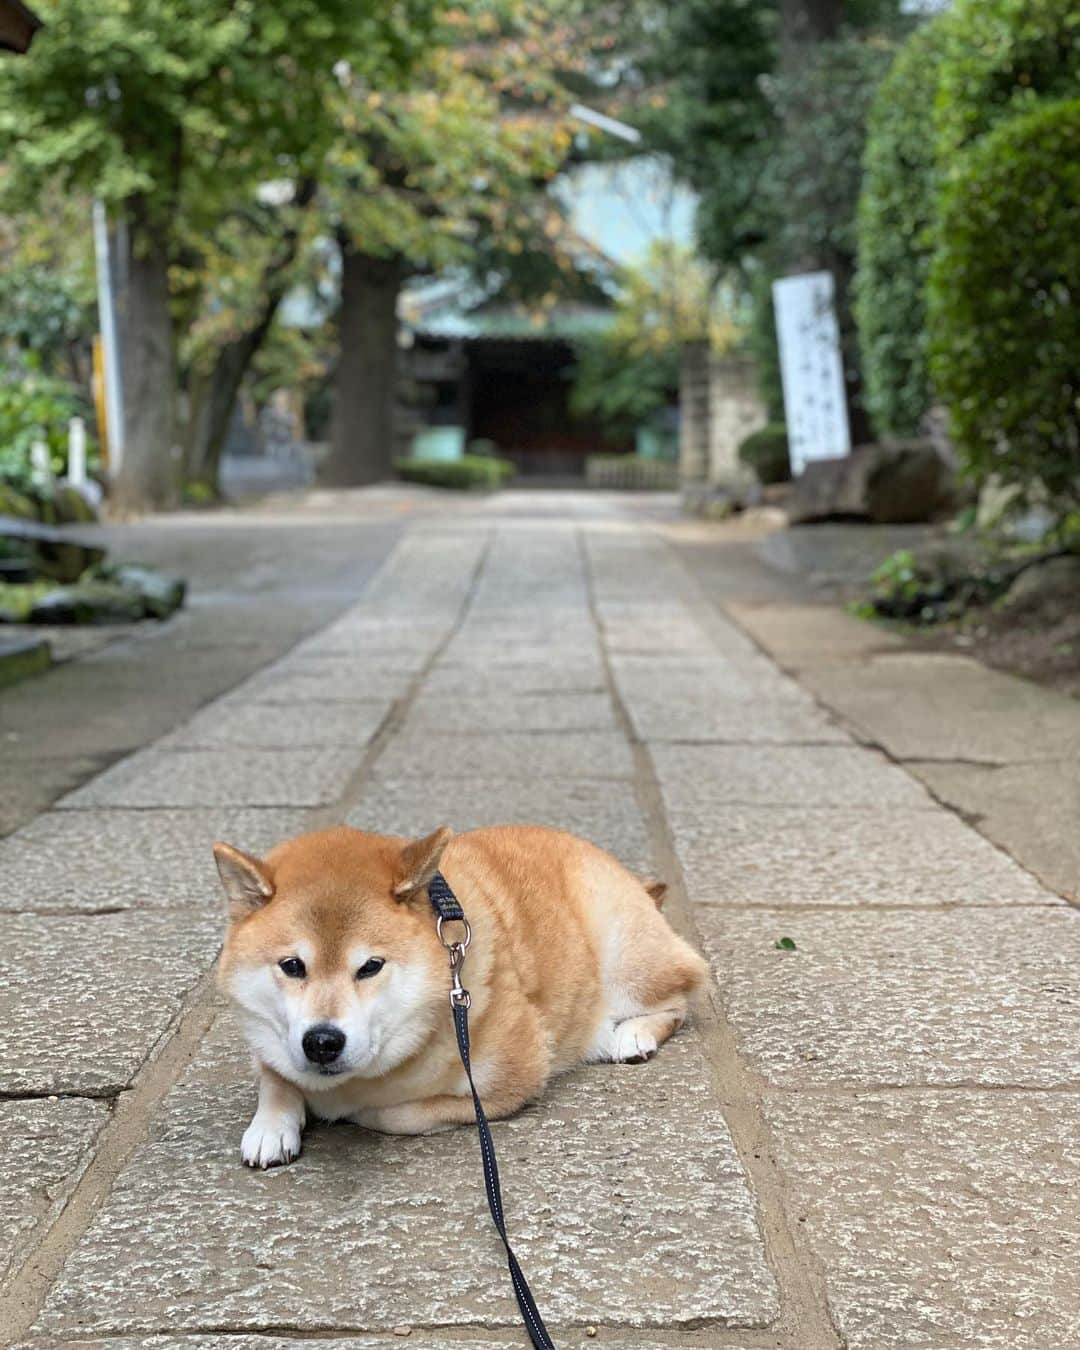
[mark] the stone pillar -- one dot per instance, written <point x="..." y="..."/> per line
<point x="735" y="409"/>
<point x="694" y="404"/>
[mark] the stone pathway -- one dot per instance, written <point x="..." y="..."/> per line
<point x="869" y="1141"/>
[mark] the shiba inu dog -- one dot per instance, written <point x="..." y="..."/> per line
<point x="332" y="958"/>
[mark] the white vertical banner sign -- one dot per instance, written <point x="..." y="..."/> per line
<point x="811" y="369"/>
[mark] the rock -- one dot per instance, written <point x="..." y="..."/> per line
<point x="88" y="602"/>
<point x="21" y="657"/>
<point x="16" y="503"/>
<point x="906" y="482"/>
<point x="821" y="492"/>
<point x="1053" y="579"/>
<point x="72" y="506"/>
<point x="15" y="570"/>
<point x="56" y="554"/>
<point x="894" y="484"/>
<point x="996" y="500"/>
<point x="160" y="593"/>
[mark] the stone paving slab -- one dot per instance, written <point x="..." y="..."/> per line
<point x="704" y="714"/>
<point x="1031" y="810"/>
<point x="44" y="1149"/>
<point x="781" y="775"/>
<point x="483" y="656"/>
<point x="650" y="629"/>
<point x="943" y="1220"/>
<point x="123" y="859"/>
<point x="937" y="706"/>
<point x="695" y="677"/>
<point x="624" y="1195"/>
<point x="512" y="712"/>
<point x="553" y="679"/>
<point x="361" y="638"/>
<point x="308" y="725"/>
<point x="585" y="754"/>
<point x="220" y="778"/>
<point x="964" y="997"/>
<point x="777" y="856"/>
<point x="604" y="812"/>
<point x="322" y="681"/>
<point x="434" y="568"/>
<point x="84" y="999"/>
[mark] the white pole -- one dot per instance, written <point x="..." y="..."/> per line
<point x="114" y="395"/>
<point x="605" y="123"/>
<point x="76" y="467"/>
<point x="41" y="464"/>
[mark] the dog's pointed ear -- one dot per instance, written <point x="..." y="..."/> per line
<point x="420" y="861"/>
<point x="248" y="885"/>
<point x="658" y="891"/>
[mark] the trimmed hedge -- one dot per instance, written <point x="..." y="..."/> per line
<point x="1001" y="59"/>
<point x="470" y="471"/>
<point x="766" y="452"/>
<point x="1002" y="303"/>
<point x="895" y="236"/>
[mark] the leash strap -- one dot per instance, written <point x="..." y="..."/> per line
<point x="448" y="910"/>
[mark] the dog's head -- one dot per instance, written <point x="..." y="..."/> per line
<point x="331" y="952"/>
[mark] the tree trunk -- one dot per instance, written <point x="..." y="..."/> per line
<point x="804" y="23"/>
<point x="149" y="473"/>
<point x="213" y="398"/>
<point x="213" y="394"/>
<point x="365" y="386"/>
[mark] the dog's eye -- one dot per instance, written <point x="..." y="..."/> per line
<point x="293" y="967"/>
<point x="370" y="968"/>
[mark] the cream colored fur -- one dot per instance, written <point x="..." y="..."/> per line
<point x="570" y="960"/>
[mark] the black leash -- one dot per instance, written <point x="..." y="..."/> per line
<point x="448" y="910"/>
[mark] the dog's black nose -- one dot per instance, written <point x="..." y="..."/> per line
<point x="323" y="1043"/>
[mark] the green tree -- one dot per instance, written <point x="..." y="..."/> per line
<point x="895" y="234"/>
<point x="179" y="108"/>
<point x="429" y="177"/>
<point x="763" y="103"/>
<point x="628" y="373"/>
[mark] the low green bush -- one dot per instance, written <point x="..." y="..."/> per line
<point x="470" y="471"/>
<point x="1002" y="304"/>
<point x="766" y="452"/>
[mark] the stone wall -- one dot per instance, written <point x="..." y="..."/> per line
<point x="719" y="407"/>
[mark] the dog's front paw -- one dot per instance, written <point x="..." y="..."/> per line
<point x="633" y="1044"/>
<point x="271" y="1141"/>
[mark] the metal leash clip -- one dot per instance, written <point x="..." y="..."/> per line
<point x="459" y="995"/>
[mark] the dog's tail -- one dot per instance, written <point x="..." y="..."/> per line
<point x="658" y="891"/>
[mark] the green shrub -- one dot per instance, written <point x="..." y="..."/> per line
<point x="470" y="471"/>
<point x="1001" y="58"/>
<point x="621" y="386"/>
<point x="33" y="406"/>
<point x="895" y="236"/>
<point x="1002" y="303"/>
<point x="766" y="452"/>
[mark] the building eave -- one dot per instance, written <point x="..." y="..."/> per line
<point x="18" y="24"/>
